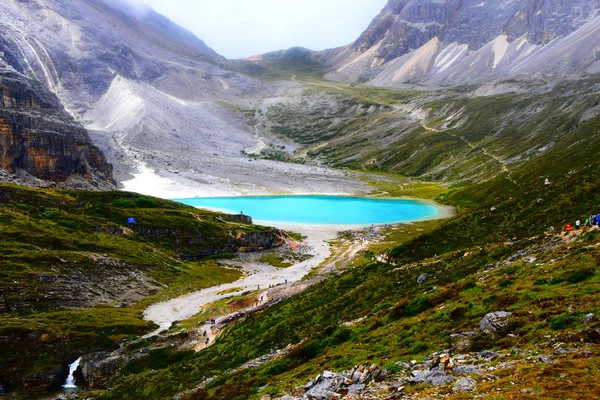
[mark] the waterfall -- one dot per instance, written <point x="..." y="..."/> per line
<point x="70" y="383"/>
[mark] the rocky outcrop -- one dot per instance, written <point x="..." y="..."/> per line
<point x="495" y="322"/>
<point x="196" y="244"/>
<point x="453" y="42"/>
<point x="38" y="137"/>
<point x="98" y="281"/>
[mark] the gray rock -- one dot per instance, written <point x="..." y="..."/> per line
<point x="487" y="355"/>
<point x="495" y="322"/>
<point x="440" y="380"/>
<point x="422" y="278"/>
<point x="546" y="360"/>
<point x="356" y="388"/>
<point x="325" y="386"/>
<point x="403" y="365"/>
<point x="464" y="385"/>
<point x="563" y="351"/>
<point x="588" y="318"/>
<point x="329" y="375"/>
<point x="434" y="377"/>
<point x="466" y="369"/>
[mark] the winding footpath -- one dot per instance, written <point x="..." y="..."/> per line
<point x="259" y="276"/>
<point x="421" y="118"/>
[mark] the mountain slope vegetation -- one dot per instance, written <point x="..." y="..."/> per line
<point x="506" y="251"/>
<point x="76" y="276"/>
<point x="477" y="263"/>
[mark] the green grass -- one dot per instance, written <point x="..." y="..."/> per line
<point x="392" y="185"/>
<point x="275" y="261"/>
<point x="468" y="261"/>
<point x="50" y="239"/>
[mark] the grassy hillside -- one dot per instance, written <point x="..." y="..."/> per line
<point x="447" y="135"/>
<point x="518" y="167"/>
<point x="504" y="252"/>
<point x="474" y="269"/>
<point x="75" y="276"/>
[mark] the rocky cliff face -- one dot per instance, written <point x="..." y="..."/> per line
<point x="38" y="137"/>
<point x="458" y="41"/>
<point x="129" y="74"/>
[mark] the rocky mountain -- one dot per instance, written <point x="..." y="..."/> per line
<point x="118" y="68"/>
<point x="450" y="42"/>
<point x="156" y="100"/>
<point x="40" y="142"/>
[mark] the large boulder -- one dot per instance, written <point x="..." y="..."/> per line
<point x="464" y="385"/>
<point x="495" y="322"/>
<point x="435" y="377"/>
<point x="325" y="386"/>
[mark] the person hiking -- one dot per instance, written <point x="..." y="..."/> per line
<point x="586" y="223"/>
<point x="577" y="224"/>
<point x="568" y="228"/>
<point x="207" y="341"/>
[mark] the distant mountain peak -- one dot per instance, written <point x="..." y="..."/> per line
<point x="488" y="29"/>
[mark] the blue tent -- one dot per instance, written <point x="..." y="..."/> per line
<point x="131" y="220"/>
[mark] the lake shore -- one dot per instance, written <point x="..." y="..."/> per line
<point x="258" y="275"/>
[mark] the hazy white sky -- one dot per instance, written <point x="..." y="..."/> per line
<point x="242" y="28"/>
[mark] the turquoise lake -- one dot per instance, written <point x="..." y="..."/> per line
<point x="336" y="210"/>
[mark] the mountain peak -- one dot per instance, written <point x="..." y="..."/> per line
<point x="405" y="26"/>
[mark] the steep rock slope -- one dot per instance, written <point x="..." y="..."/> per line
<point x="452" y="42"/>
<point x="80" y="49"/>
<point x="38" y="138"/>
<point x="156" y="99"/>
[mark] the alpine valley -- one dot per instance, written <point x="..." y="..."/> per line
<point x="488" y="110"/>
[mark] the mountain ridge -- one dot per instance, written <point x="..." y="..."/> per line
<point x="449" y="42"/>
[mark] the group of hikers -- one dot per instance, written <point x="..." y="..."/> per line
<point x="591" y="221"/>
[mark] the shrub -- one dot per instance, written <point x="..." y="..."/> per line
<point x="21" y="206"/>
<point x="482" y="341"/>
<point x="419" y="347"/>
<point x="50" y="213"/>
<point x="458" y="313"/>
<point x="341" y="335"/>
<point x="505" y="283"/>
<point x="125" y="203"/>
<point x="68" y="224"/>
<point x="563" y="321"/>
<point x="417" y="306"/>
<point x="580" y="276"/>
<point x="146" y="202"/>
<point x="505" y="299"/>
<point x="393" y="367"/>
